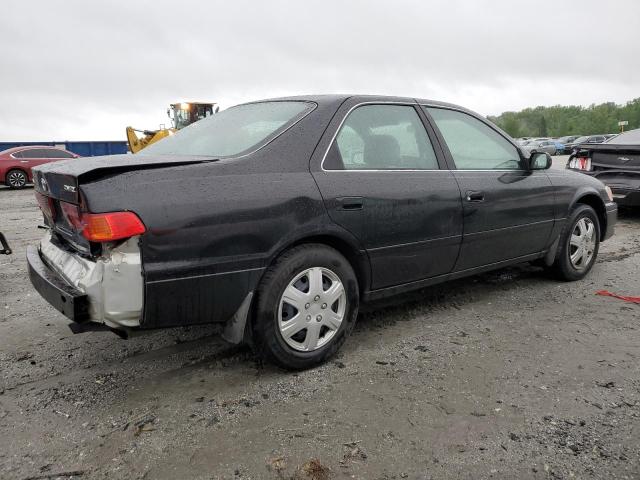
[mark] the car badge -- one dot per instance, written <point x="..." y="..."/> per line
<point x="70" y="188"/>
<point x="624" y="159"/>
<point x="43" y="184"/>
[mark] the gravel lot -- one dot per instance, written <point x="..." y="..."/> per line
<point x="505" y="375"/>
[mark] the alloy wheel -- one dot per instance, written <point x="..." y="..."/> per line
<point x="16" y="179"/>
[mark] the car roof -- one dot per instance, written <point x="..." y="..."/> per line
<point x="332" y="98"/>
<point x="31" y="147"/>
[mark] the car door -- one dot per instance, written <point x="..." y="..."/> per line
<point x="508" y="209"/>
<point x="383" y="180"/>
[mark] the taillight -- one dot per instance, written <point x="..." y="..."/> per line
<point x="102" y="227"/>
<point x="580" y="163"/>
<point x="46" y="205"/>
<point x="107" y="227"/>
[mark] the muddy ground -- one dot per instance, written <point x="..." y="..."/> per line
<point x="505" y="375"/>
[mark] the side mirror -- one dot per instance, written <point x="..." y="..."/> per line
<point x="540" y="161"/>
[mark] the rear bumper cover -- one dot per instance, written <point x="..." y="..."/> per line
<point x="66" y="298"/>
<point x="107" y="290"/>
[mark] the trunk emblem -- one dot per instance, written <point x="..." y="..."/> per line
<point x="624" y="159"/>
<point x="43" y="184"/>
<point x="70" y="188"/>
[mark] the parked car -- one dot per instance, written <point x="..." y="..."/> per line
<point x="567" y="139"/>
<point x="16" y="163"/>
<point x="564" y="142"/>
<point x="297" y="211"/>
<point x="586" y="139"/>
<point x="547" y="146"/>
<point x="616" y="163"/>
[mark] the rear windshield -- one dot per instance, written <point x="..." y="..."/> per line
<point x="632" y="137"/>
<point x="232" y="131"/>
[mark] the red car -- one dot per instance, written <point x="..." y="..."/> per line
<point x="16" y="163"/>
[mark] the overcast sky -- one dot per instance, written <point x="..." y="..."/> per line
<point x="84" y="70"/>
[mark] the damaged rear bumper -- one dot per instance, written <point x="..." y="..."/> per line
<point x="65" y="298"/>
<point x="107" y="290"/>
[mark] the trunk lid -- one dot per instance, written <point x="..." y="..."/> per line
<point x="62" y="180"/>
<point x="59" y="194"/>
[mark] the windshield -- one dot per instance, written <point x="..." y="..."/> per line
<point x="632" y="137"/>
<point x="581" y="140"/>
<point x="233" y="131"/>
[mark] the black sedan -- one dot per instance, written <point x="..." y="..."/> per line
<point x="572" y="147"/>
<point x="616" y="163"/>
<point x="280" y="217"/>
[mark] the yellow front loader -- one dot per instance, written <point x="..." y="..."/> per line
<point x="181" y="115"/>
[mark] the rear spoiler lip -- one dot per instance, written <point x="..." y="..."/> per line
<point x="67" y="188"/>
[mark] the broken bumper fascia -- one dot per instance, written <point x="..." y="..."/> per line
<point x="107" y="290"/>
<point x="65" y="298"/>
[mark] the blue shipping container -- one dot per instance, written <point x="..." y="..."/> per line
<point x="82" y="148"/>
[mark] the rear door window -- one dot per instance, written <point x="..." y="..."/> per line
<point x="382" y="137"/>
<point x="473" y="144"/>
<point x="34" y="153"/>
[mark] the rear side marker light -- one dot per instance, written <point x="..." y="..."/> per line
<point x="102" y="227"/>
<point x="107" y="227"/>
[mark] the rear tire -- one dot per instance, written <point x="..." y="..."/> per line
<point x="579" y="244"/>
<point x="16" y="179"/>
<point x="306" y="306"/>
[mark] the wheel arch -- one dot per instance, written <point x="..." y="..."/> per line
<point x="240" y="327"/>
<point x="338" y="239"/>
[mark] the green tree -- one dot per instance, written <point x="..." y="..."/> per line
<point x="558" y="120"/>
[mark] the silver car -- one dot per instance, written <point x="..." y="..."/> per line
<point x="548" y="146"/>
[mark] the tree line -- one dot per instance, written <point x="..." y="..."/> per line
<point x="559" y="120"/>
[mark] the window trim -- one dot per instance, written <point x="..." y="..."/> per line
<point x="266" y="141"/>
<point x="443" y="168"/>
<point x="445" y="146"/>
<point x="26" y="149"/>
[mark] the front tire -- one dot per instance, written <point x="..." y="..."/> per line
<point x="16" y="179"/>
<point x="306" y="306"/>
<point x="579" y="244"/>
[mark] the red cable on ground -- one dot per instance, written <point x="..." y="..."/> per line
<point x="605" y="293"/>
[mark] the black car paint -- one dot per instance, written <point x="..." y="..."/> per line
<point x="617" y="166"/>
<point x="215" y="225"/>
